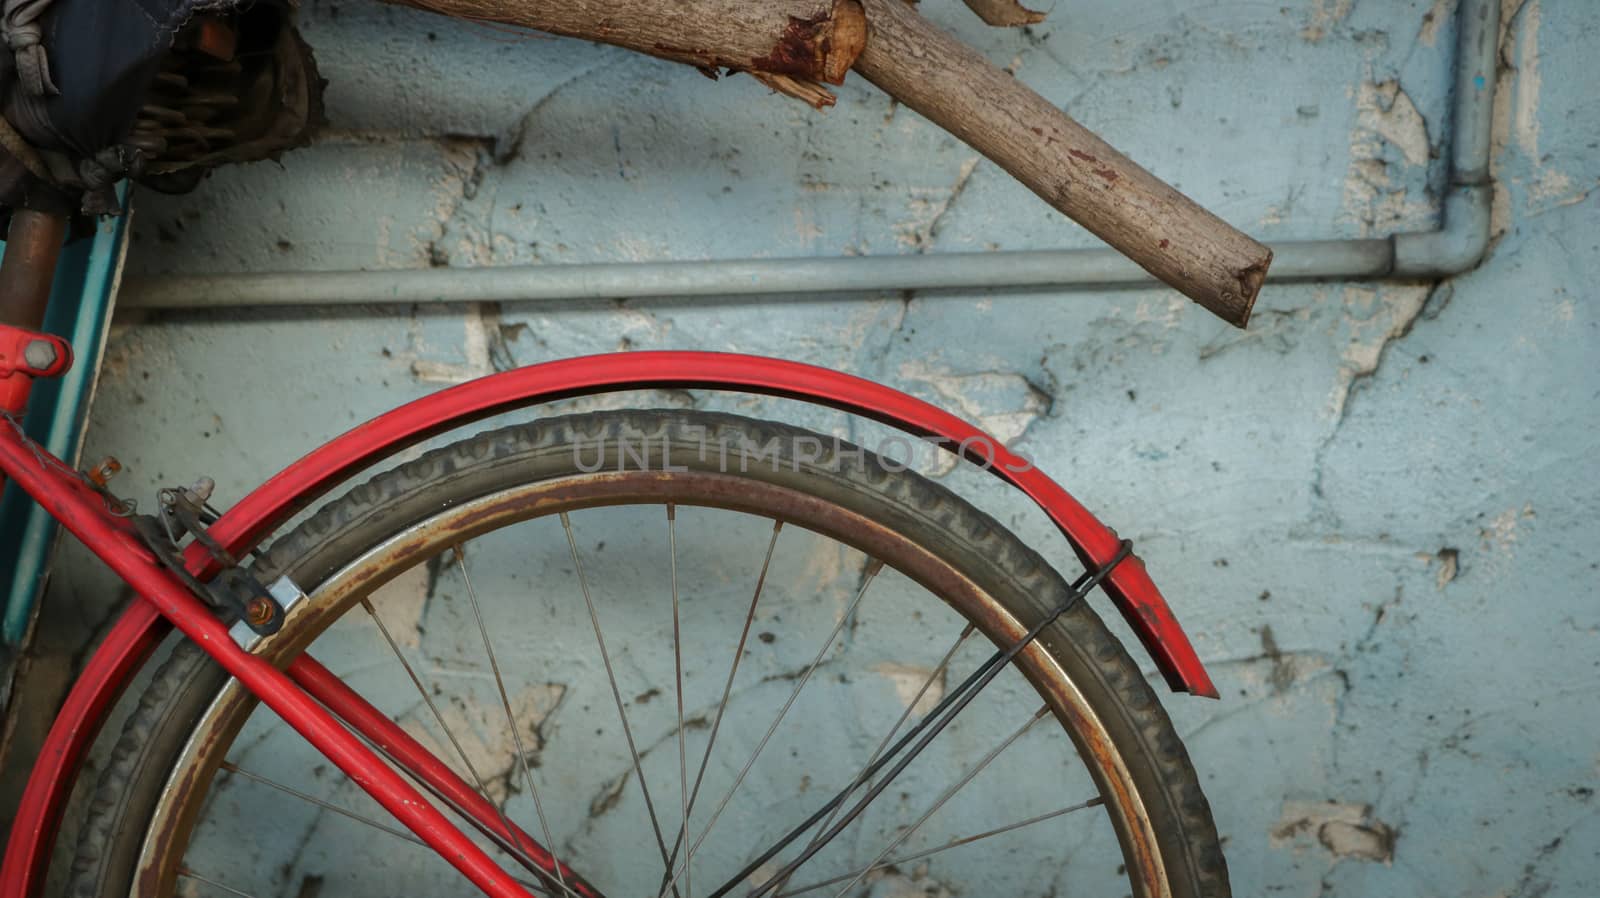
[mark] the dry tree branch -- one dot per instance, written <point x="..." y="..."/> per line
<point x="1005" y="13"/>
<point x="796" y="46"/>
<point x="1143" y="217"/>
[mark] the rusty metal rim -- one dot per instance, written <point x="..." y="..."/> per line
<point x="182" y="797"/>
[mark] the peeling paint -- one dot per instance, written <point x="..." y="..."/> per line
<point x="1449" y="561"/>
<point x="1434" y="19"/>
<point x="1526" y="124"/>
<point x="1373" y="319"/>
<point x="481" y="728"/>
<point x="1386" y="111"/>
<point x="1003" y="404"/>
<point x="907" y="680"/>
<point x="1547" y="187"/>
<point x="402" y="603"/>
<point x="929" y="207"/>
<point x="1385" y="117"/>
<point x="1345" y="830"/>
<point x="1325" y="14"/>
<point x="483" y="345"/>
<point x="1499" y="536"/>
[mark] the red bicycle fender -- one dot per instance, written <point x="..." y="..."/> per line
<point x="313" y="476"/>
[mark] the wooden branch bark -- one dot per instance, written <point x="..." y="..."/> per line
<point x="1005" y="13"/>
<point x="794" y="46"/>
<point x="804" y="40"/>
<point x="1167" y="233"/>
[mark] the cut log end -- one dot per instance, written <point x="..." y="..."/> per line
<point x="1250" y="281"/>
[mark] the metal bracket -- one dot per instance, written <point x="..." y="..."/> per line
<point x="185" y="512"/>
<point x="287" y="594"/>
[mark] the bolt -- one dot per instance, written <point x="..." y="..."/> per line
<point x="39" y="354"/>
<point x="102" y="473"/>
<point x="259" y="611"/>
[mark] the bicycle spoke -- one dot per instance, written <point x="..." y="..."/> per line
<point x="961" y="697"/>
<point x="344" y="812"/>
<point x="931" y="720"/>
<point x="677" y="666"/>
<point x="477" y="780"/>
<point x="427" y="699"/>
<point x="321" y="803"/>
<point x="865" y="773"/>
<point x="616" y="694"/>
<point x="502" y="840"/>
<point x="511" y="719"/>
<point x="877" y="789"/>
<point x="186" y="873"/>
<point x="954" y="843"/>
<point x="1042" y="713"/>
<point x="722" y="705"/>
<point x="871" y="572"/>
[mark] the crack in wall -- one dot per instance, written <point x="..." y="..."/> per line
<point x="1392" y="312"/>
<point x="921" y="230"/>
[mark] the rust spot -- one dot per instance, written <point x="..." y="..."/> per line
<point x="259" y="611"/>
<point x="1165" y="243"/>
<point x="1106" y="173"/>
<point x="1086" y="157"/>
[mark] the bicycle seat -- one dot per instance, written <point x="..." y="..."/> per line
<point x="161" y="91"/>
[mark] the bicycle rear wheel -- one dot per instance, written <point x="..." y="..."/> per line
<point x="652" y="637"/>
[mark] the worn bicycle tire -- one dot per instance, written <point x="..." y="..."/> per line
<point x="1017" y="576"/>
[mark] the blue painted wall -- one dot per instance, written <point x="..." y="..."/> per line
<point x="1375" y="510"/>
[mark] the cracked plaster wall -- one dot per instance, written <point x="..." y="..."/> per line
<point x="1375" y="511"/>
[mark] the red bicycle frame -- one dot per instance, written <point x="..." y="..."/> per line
<point x="327" y="714"/>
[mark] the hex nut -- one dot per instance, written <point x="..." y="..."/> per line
<point x="39" y="354"/>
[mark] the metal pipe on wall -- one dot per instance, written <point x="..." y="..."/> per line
<point x="1458" y="245"/>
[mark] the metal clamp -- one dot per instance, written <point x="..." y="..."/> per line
<point x="286" y="593"/>
<point x="185" y="511"/>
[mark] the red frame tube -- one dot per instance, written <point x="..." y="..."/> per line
<point x="315" y="475"/>
<point x="126" y="646"/>
<point x="83" y="512"/>
<point x="348" y="705"/>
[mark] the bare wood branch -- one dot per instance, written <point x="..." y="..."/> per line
<point x="1073" y="170"/>
<point x="805" y="40"/>
<point x="793" y="46"/>
<point x="1005" y="13"/>
<point x="809" y="92"/>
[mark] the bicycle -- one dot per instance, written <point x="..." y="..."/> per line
<point x="792" y="538"/>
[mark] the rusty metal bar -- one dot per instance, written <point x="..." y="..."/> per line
<point x="33" y="245"/>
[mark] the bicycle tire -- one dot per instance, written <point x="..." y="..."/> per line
<point x="1168" y="793"/>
